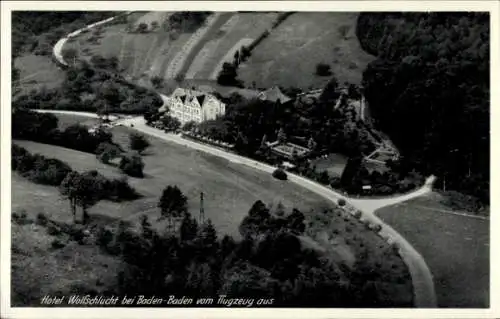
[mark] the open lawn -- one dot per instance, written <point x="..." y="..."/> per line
<point x="37" y="71"/>
<point x="334" y="164"/>
<point x="229" y="189"/>
<point x="66" y="120"/>
<point x="288" y="57"/>
<point x="456" y="249"/>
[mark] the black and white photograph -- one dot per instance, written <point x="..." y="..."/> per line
<point x="249" y="157"/>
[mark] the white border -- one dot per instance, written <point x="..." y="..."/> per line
<point x="8" y="6"/>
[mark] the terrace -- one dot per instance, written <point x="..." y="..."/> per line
<point x="289" y="150"/>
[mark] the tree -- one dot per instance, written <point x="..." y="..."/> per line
<point x="188" y="228"/>
<point x="343" y="30"/>
<point x="189" y="126"/>
<point x="83" y="190"/>
<point x="154" y="25"/>
<point x="330" y="92"/>
<point x="280" y="174"/>
<point x="281" y="136"/>
<point x="295" y="222"/>
<point x="142" y="27"/>
<point x="311" y="144"/>
<point x="138" y="142"/>
<point x="207" y="236"/>
<point x="237" y="57"/>
<point x="106" y="152"/>
<point x="172" y="204"/>
<point x="170" y="123"/>
<point x="69" y="55"/>
<point x="157" y="81"/>
<point x="132" y="164"/>
<point x="323" y="69"/>
<point x="228" y="75"/>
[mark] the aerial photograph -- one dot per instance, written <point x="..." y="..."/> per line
<point x="250" y="159"/>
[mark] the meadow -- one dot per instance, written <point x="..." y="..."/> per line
<point x="37" y="71"/>
<point x="288" y="57"/>
<point x="455" y="247"/>
<point x="229" y="192"/>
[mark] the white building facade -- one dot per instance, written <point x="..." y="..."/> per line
<point x="190" y="105"/>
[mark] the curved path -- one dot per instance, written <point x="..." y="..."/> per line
<point x="423" y="286"/>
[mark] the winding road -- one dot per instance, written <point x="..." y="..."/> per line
<point x="423" y="286"/>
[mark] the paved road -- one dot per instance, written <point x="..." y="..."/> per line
<point x="423" y="285"/>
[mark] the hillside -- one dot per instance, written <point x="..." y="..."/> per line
<point x="428" y="90"/>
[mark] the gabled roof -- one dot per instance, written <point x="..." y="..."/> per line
<point x="188" y="95"/>
<point x="274" y="94"/>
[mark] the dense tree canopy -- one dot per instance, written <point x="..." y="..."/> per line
<point x="429" y="90"/>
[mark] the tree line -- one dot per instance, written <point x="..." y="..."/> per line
<point x="92" y="87"/>
<point x="81" y="189"/>
<point x="270" y="261"/>
<point x="43" y="127"/>
<point x="428" y="90"/>
<point x="38" y="31"/>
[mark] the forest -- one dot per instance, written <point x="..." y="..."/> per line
<point x="429" y="91"/>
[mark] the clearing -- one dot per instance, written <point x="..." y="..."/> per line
<point x="456" y="249"/>
<point x="288" y="57"/>
<point x="37" y="71"/>
<point x="333" y="164"/>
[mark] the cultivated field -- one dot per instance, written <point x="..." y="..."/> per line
<point x="240" y="29"/>
<point x="37" y="71"/>
<point x="140" y="54"/>
<point x="288" y="57"/>
<point x="456" y="249"/>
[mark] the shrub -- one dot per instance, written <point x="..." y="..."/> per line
<point x="341" y="202"/>
<point x="377" y="228"/>
<point x="120" y="189"/>
<point x="357" y="214"/>
<point x="104" y="237"/>
<point x="53" y="230"/>
<point x="57" y="243"/>
<point x="41" y="219"/>
<point x="280" y="174"/>
<point x="20" y="218"/>
<point x="352" y="66"/>
<point x="323" y="69"/>
<point x="138" y="142"/>
<point x="132" y="164"/>
<point x="106" y="152"/>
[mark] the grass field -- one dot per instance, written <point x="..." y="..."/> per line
<point x="239" y="26"/>
<point x="38" y="269"/>
<point x="229" y="189"/>
<point x="288" y="57"/>
<point x="66" y="120"/>
<point x="334" y="164"/>
<point x="456" y="249"/>
<point x="140" y="55"/>
<point x="37" y="71"/>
